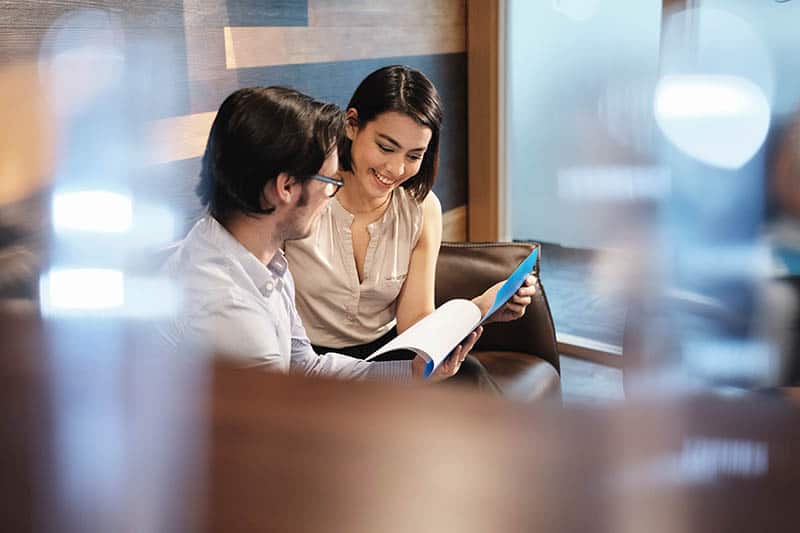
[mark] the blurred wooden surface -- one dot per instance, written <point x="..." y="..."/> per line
<point x="98" y="434"/>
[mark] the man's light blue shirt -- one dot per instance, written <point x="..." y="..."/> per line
<point x="237" y="306"/>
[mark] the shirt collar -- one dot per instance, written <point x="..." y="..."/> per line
<point x="265" y="277"/>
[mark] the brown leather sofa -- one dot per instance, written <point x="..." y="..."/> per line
<point x="522" y="355"/>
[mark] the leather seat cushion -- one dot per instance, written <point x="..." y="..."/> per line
<point x="521" y="376"/>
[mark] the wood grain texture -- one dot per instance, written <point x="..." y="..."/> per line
<point x="454" y="224"/>
<point x="221" y="448"/>
<point x="181" y="61"/>
<point x="263" y="46"/>
<point x="382" y="13"/>
<point x="357" y="29"/>
<point x="483" y="108"/>
<point x="27" y="15"/>
<point x="177" y="138"/>
<point x="272" y="13"/>
<point x="25" y="25"/>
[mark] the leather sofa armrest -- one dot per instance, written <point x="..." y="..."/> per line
<point x="465" y="270"/>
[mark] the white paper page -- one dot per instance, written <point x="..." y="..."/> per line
<point x="435" y="336"/>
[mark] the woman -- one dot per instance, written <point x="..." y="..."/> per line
<point x="367" y="270"/>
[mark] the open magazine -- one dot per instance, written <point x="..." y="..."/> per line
<point x="436" y="335"/>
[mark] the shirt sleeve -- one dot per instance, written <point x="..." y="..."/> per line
<point x="230" y="326"/>
<point x="235" y="327"/>
<point x="304" y="359"/>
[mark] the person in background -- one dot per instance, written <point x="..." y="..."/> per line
<point x="268" y="173"/>
<point x="366" y="272"/>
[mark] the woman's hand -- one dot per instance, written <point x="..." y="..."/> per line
<point x="513" y="308"/>
<point x="449" y="366"/>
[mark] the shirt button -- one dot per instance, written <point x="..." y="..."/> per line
<point x="269" y="286"/>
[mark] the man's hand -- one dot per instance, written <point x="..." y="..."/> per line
<point x="449" y="366"/>
<point x="513" y="308"/>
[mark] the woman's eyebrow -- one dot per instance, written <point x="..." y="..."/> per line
<point x="397" y="144"/>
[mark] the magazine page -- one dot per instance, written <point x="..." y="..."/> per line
<point x="435" y="336"/>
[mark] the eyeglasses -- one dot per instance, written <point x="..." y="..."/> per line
<point x="332" y="185"/>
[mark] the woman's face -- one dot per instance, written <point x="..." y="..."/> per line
<point x="386" y="151"/>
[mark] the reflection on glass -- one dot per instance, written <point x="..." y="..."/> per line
<point x="76" y="70"/>
<point x="614" y="183"/>
<point x="731" y="360"/>
<point x="720" y="120"/>
<point x="701" y="460"/>
<point x="103" y="79"/>
<point x="154" y="225"/>
<point x="96" y="211"/>
<point x="66" y="291"/>
<point x="579" y="78"/>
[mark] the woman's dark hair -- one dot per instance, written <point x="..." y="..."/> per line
<point x="258" y="133"/>
<point x="408" y="91"/>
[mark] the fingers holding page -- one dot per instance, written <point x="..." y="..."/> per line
<point x="528" y="288"/>
<point x="451" y="365"/>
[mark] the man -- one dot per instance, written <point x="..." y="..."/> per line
<point x="268" y="172"/>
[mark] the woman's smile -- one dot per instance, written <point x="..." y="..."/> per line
<point x="383" y="180"/>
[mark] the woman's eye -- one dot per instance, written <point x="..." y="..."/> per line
<point x="384" y="148"/>
<point x="415" y="157"/>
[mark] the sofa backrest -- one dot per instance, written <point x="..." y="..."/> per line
<point x="465" y="270"/>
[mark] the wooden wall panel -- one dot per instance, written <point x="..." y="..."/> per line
<point x="386" y="13"/>
<point x="454" y="224"/>
<point x="343" y="31"/>
<point x="265" y="13"/>
<point x="178" y="138"/>
<point x="322" y="47"/>
<point x="484" y="54"/>
<point x="24" y="24"/>
<point x="245" y="47"/>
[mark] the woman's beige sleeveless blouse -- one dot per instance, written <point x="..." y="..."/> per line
<point x="338" y="311"/>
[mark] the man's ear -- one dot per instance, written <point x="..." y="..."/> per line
<point x="281" y="190"/>
<point x="351" y="123"/>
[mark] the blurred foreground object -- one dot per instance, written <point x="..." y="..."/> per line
<point x="711" y="322"/>
<point x="786" y="170"/>
<point x="26" y="159"/>
<point x="26" y="143"/>
<point x="106" y="210"/>
<point x="202" y="446"/>
<point x="783" y="232"/>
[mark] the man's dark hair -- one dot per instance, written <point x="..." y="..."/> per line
<point x="258" y="133"/>
<point x="407" y="91"/>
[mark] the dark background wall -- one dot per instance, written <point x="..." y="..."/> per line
<point x="321" y="47"/>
